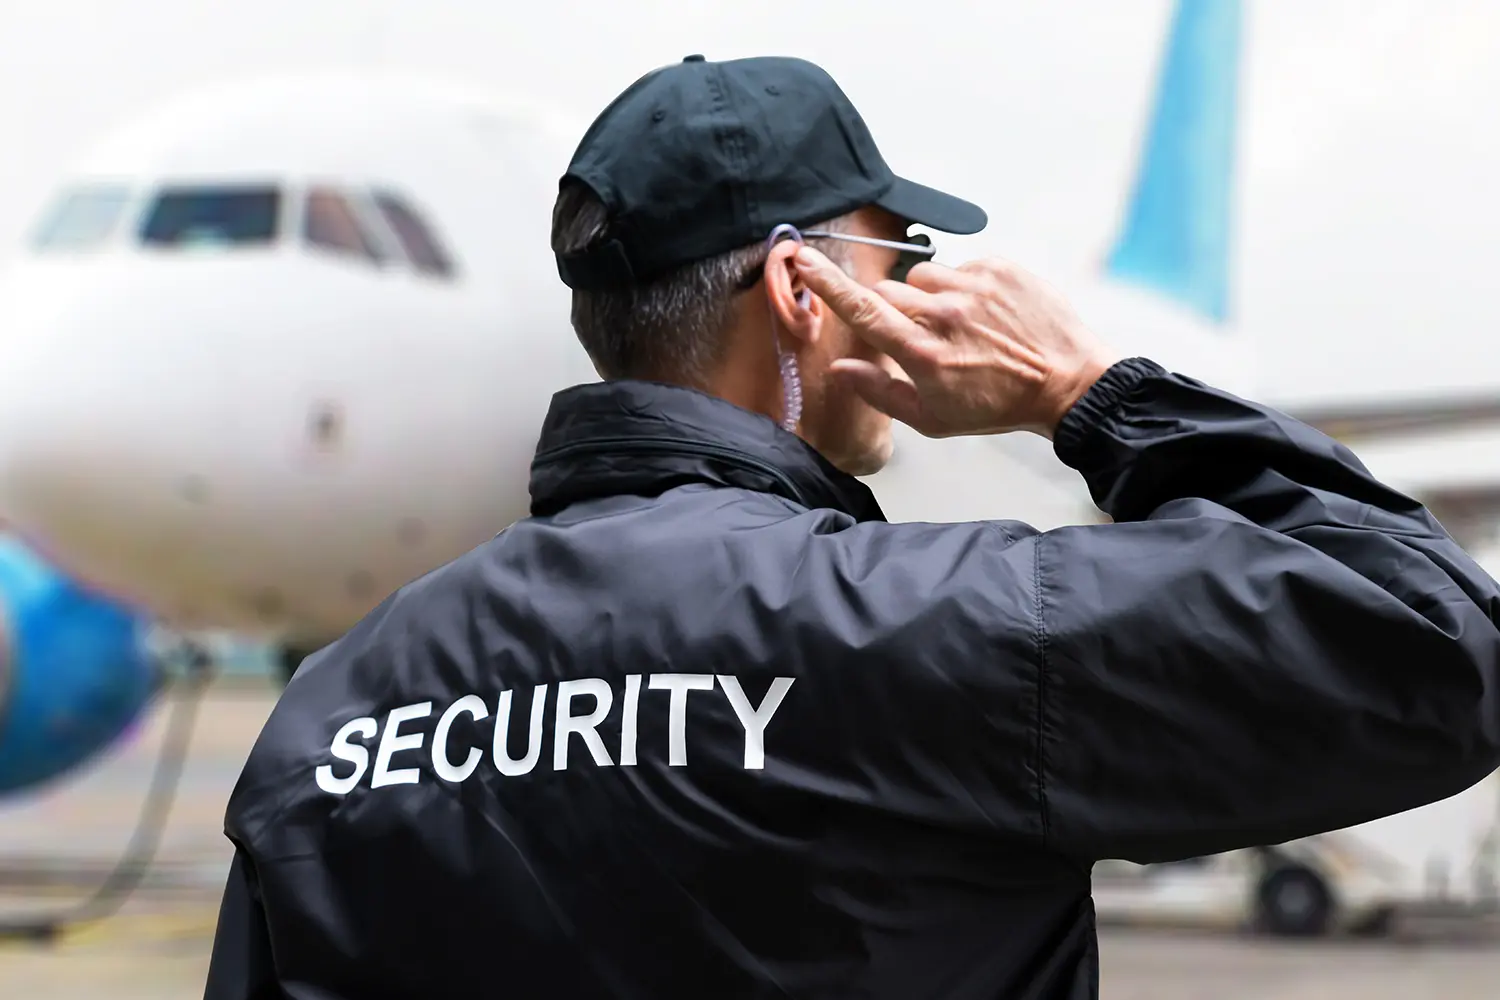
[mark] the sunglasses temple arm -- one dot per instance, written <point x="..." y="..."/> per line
<point x="871" y="241"/>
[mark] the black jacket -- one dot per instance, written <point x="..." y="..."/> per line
<point x="814" y="754"/>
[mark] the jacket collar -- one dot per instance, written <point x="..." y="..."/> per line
<point x="608" y="438"/>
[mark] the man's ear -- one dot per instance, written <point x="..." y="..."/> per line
<point x="793" y="305"/>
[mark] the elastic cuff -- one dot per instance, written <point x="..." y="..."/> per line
<point x="1077" y="427"/>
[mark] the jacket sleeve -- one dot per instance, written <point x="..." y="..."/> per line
<point x="1266" y="644"/>
<point x="241" y="967"/>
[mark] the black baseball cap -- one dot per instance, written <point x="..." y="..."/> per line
<point x="700" y="158"/>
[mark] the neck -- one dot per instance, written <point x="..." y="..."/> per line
<point x="750" y="374"/>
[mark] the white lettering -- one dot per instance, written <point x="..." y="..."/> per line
<point x="347" y="751"/>
<point x="584" y="725"/>
<point x="679" y="685"/>
<point x="445" y="768"/>
<point x="504" y="763"/>
<point x="754" y="720"/>
<point x="348" y="744"/>
<point x="628" y="723"/>
<point x="392" y="743"/>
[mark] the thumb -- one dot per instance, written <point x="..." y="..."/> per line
<point x="878" y="387"/>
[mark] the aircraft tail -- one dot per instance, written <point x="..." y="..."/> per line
<point x="1177" y="229"/>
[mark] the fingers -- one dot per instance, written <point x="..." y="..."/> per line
<point x="937" y="313"/>
<point x="933" y="295"/>
<point x="997" y="270"/>
<point x="882" y="390"/>
<point x="875" y="320"/>
<point x="913" y="302"/>
<point x="931" y="277"/>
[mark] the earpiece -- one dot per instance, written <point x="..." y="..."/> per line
<point x="788" y="231"/>
<point x="791" y="379"/>
<point x="785" y="230"/>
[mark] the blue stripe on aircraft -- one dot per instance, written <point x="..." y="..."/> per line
<point x="78" y="675"/>
<point x="1178" y="227"/>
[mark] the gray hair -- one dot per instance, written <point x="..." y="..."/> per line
<point x="671" y="328"/>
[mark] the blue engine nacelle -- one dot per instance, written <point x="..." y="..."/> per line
<point x="75" y="671"/>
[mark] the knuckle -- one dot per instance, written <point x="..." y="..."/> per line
<point x="863" y="312"/>
<point x="947" y="310"/>
<point x="987" y="274"/>
<point x="997" y="268"/>
<point x="926" y="274"/>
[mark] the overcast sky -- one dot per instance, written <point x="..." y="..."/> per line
<point x="1368" y="250"/>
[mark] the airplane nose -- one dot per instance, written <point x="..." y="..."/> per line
<point x="156" y="414"/>
<point x="86" y="412"/>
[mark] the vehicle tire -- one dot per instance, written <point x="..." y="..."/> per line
<point x="1294" y="902"/>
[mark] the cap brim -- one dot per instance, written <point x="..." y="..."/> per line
<point x="932" y="208"/>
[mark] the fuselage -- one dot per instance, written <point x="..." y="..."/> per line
<point x="238" y="391"/>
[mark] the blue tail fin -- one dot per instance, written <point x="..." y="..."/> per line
<point x="1176" y="238"/>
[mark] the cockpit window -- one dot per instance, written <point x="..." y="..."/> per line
<point x="331" y="223"/>
<point x="83" y="218"/>
<point x="416" y="238"/>
<point x="213" y="216"/>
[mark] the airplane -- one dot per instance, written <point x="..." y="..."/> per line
<point x="279" y="346"/>
<point x="320" y="316"/>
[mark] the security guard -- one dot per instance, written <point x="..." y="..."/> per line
<point x="706" y="725"/>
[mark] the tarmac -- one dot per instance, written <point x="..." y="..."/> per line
<point x="56" y="847"/>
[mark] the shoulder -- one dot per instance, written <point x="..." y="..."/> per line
<point x="350" y="678"/>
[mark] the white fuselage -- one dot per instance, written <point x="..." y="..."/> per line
<point x="270" y="438"/>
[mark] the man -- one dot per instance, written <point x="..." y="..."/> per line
<point x="705" y="725"/>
